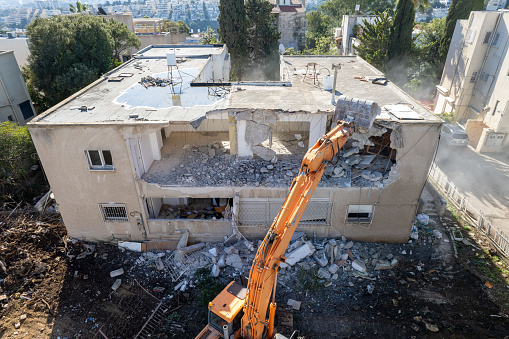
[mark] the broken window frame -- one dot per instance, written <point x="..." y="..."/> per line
<point x="103" y="166"/>
<point x="114" y="212"/>
<point x="360" y="220"/>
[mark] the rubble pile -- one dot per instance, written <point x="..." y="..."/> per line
<point x="212" y="165"/>
<point x="149" y="81"/>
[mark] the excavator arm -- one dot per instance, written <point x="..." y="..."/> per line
<point x="241" y="312"/>
<point x="263" y="274"/>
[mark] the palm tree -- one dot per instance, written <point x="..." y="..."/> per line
<point x="78" y="8"/>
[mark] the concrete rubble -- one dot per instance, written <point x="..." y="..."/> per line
<point x="213" y="165"/>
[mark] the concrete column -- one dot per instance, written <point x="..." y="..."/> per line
<point x="243" y="149"/>
<point x="232" y="133"/>
<point x="317" y="126"/>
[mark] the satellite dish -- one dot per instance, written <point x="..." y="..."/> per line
<point x="282" y="49"/>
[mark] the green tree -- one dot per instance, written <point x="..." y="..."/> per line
<point x="319" y="25"/>
<point x="69" y="52"/>
<point x="401" y="40"/>
<point x="375" y="41"/>
<point x="78" y="8"/>
<point x="17" y="155"/>
<point x="233" y="32"/>
<point x="209" y="37"/>
<point x="206" y="15"/>
<point x="459" y="9"/>
<point x="262" y="34"/>
<point x="424" y="67"/>
<point x="262" y="38"/>
<point x="123" y="39"/>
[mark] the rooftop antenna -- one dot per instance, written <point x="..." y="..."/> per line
<point x="171" y="62"/>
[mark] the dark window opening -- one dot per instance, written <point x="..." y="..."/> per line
<point x="194" y="208"/>
<point x="26" y="109"/>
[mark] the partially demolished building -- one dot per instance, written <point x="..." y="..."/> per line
<point x="156" y="146"/>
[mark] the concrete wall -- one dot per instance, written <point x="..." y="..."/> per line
<point x="161" y="39"/>
<point x="292" y="26"/>
<point x="77" y="189"/>
<point x="474" y="129"/>
<point x="13" y="90"/>
<point x="19" y="46"/>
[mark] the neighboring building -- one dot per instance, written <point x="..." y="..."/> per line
<point x="421" y="17"/>
<point x="19" y="45"/>
<point x="15" y="102"/>
<point x="148" y="30"/>
<point x="439" y="13"/>
<point x="291" y="22"/>
<point x="495" y="5"/>
<point x="127" y="160"/>
<point x="349" y="37"/>
<point x="475" y="80"/>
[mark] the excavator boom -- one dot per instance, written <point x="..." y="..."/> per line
<point x="255" y="324"/>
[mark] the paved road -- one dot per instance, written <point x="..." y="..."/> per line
<point x="483" y="178"/>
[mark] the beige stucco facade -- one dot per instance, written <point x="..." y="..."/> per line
<point x="168" y="157"/>
<point x="475" y="80"/>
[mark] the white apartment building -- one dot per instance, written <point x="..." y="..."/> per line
<point x="495" y="5"/>
<point x="475" y="80"/>
<point x="15" y="102"/>
<point x="348" y="36"/>
<point x="440" y="13"/>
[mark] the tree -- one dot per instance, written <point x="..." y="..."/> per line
<point x="319" y="25"/>
<point x="209" y="37"/>
<point x="401" y="41"/>
<point x="69" y="52"/>
<point x="17" y="155"/>
<point x="233" y="32"/>
<point x="262" y="34"/>
<point x="375" y="41"/>
<point x="262" y="39"/>
<point x="123" y="39"/>
<point x="78" y="8"/>
<point x="459" y="9"/>
<point x="206" y="15"/>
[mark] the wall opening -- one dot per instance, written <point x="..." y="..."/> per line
<point x="190" y="208"/>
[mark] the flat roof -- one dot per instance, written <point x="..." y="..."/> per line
<point x="304" y="94"/>
<point x="118" y="97"/>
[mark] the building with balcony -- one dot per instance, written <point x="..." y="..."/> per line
<point x="475" y="80"/>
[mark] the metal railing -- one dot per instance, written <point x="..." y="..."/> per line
<point x="262" y="213"/>
<point x="476" y="217"/>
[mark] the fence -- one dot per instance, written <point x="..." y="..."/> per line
<point x="261" y="212"/>
<point x="476" y="217"/>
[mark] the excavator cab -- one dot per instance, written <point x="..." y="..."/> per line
<point x="225" y="313"/>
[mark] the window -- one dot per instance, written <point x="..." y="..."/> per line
<point x="487" y="37"/>
<point x="360" y="213"/>
<point x="484" y="76"/>
<point x="114" y="212"/>
<point x="26" y="109"/>
<point x="100" y="160"/>
<point x="496" y="40"/>
<point x="10" y="118"/>
<point x="473" y="78"/>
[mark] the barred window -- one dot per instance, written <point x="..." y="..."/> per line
<point x="114" y="212"/>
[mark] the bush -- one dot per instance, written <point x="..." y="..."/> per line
<point x="17" y="155"/>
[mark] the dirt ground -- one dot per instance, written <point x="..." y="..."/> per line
<point x="55" y="287"/>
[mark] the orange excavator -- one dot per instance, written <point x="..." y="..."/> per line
<point x="241" y="311"/>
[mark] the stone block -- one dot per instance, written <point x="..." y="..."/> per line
<point x="359" y="265"/>
<point x="300" y="253"/>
